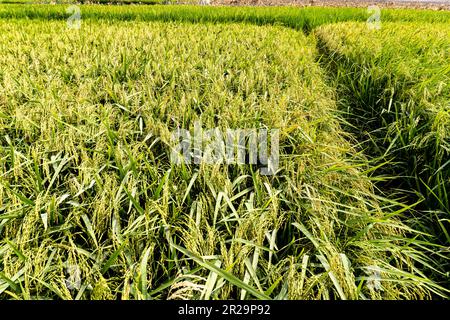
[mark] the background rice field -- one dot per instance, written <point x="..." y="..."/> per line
<point x="91" y="207"/>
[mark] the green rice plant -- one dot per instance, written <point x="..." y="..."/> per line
<point x="91" y="207"/>
<point x="394" y="84"/>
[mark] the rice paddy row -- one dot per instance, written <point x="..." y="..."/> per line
<point x="395" y="84"/>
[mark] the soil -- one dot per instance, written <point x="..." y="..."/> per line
<point x="416" y="4"/>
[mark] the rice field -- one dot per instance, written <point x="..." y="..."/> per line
<point x="305" y="19"/>
<point x="93" y="206"/>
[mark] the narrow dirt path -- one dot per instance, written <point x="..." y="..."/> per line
<point x="414" y="4"/>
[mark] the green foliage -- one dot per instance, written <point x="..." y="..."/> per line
<point x="92" y="208"/>
<point x="297" y="18"/>
<point x="395" y="84"/>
